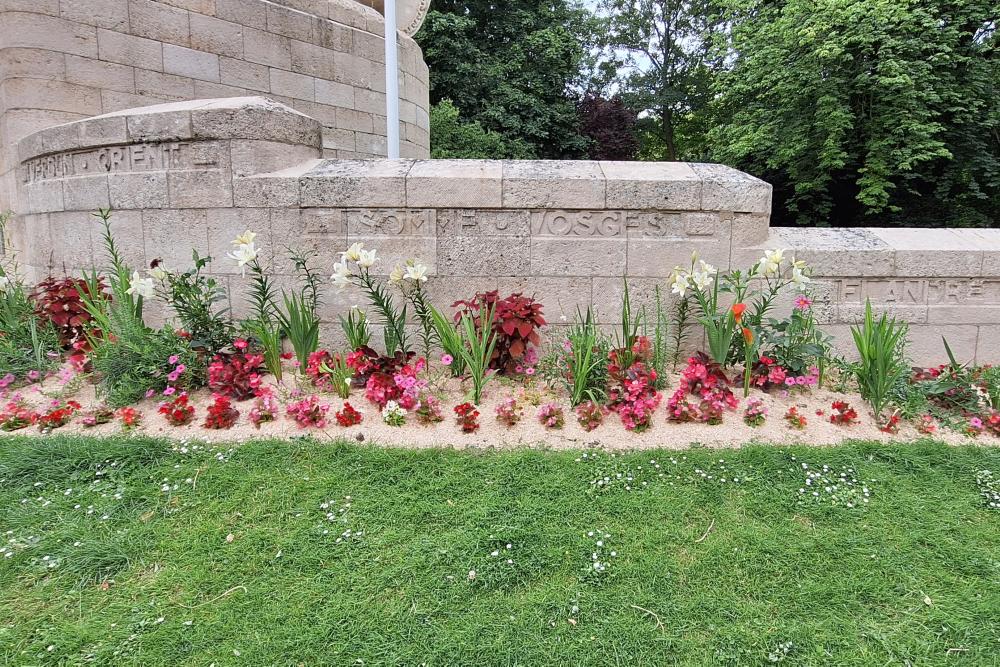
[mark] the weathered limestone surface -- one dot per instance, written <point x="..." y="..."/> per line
<point x="65" y="60"/>
<point x="195" y="174"/>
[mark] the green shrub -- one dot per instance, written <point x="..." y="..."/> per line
<point x="881" y="345"/>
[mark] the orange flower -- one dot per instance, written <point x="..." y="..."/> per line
<point x="748" y="336"/>
<point x="738" y="309"/>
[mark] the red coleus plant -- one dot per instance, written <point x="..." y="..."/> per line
<point x="58" y="300"/>
<point x="237" y="374"/>
<point x="516" y="321"/>
<point x="221" y="413"/>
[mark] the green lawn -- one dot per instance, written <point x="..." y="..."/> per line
<point x="240" y="564"/>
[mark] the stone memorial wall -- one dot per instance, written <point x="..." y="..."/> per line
<point x="65" y="60"/>
<point x="195" y="174"/>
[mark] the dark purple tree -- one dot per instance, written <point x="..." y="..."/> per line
<point x="610" y="125"/>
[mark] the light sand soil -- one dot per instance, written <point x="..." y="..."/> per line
<point x="528" y="432"/>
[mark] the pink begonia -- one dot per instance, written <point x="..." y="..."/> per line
<point x="150" y="392"/>
<point x="34" y="375"/>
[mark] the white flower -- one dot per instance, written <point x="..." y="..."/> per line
<point x="679" y="283"/>
<point x="4" y="283"/>
<point x="366" y="258"/>
<point x="770" y="263"/>
<point x="246" y="238"/>
<point x="799" y="278"/>
<point x="139" y="286"/>
<point x="397" y="274"/>
<point x="243" y="255"/>
<point x="707" y="268"/>
<point x="157" y="273"/>
<point x="703" y="277"/>
<point x="341" y="275"/>
<point x="353" y="253"/>
<point x="417" y="273"/>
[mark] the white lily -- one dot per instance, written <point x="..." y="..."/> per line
<point x="679" y="283"/>
<point x="353" y="253"/>
<point x="397" y="274"/>
<point x="701" y="279"/>
<point x="416" y="272"/>
<point x="799" y="278"/>
<point x="157" y="273"/>
<point x="243" y="255"/>
<point x="4" y="284"/>
<point x="140" y="286"/>
<point x="770" y="263"/>
<point x="366" y="258"/>
<point x="246" y="238"/>
<point x="341" y="275"/>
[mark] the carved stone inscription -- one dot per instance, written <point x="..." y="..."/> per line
<point x="605" y="224"/>
<point x="154" y="156"/>
<point x="390" y="222"/>
<point x="920" y="291"/>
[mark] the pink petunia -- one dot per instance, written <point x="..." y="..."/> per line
<point x="169" y="391"/>
<point x="173" y="359"/>
<point x="446" y="359"/>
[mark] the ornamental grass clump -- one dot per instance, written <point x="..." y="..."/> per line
<point x="881" y="345"/>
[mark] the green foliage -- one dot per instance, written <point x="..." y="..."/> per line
<point x="477" y="349"/>
<point x="881" y="345"/>
<point x="393" y="320"/>
<point x="510" y="68"/>
<point x="796" y="343"/>
<point x="659" y="336"/>
<point x="196" y="298"/>
<point x="865" y="112"/>
<point x="587" y="360"/>
<point x="137" y="361"/>
<point x="451" y="137"/>
<point x="340" y="375"/>
<point x="356" y="329"/>
<point x="450" y="339"/>
<point x="299" y="320"/>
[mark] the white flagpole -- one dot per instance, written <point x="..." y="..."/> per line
<point x="391" y="81"/>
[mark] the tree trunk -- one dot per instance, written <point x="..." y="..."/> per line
<point x="667" y="133"/>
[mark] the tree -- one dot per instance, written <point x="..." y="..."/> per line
<point x="659" y="53"/>
<point x="511" y="68"/>
<point x="610" y="126"/>
<point x="453" y="138"/>
<point x="865" y="112"/>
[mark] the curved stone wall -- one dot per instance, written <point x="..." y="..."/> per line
<point x="65" y="60"/>
<point x="197" y="174"/>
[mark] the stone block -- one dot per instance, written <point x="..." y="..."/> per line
<point x="110" y="14"/>
<point x="830" y="252"/>
<point x="243" y="12"/>
<point x="368" y="46"/>
<point x="727" y="189"/>
<point x="965" y="314"/>
<point x="160" y="22"/>
<point x="36" y="31"/>
<point x="172" y="126"/>
<point x="129" y="50"/>
<point x="216" y="36"/>
<point x="988" y="345"/>
<point x="290" y="84"/>
<point x="51" y="96"/>
<point x="473" y="222"/>
<point x="574" y="257"/>
<point x="267" y="49"/>
<point x="158" y="83"/>
<point x="34" y="63"/>
<point x="254" y="118"/>
<point x="335" y="94"/>
<point x="312" y="60"/>
<point x="927" y="349"/>
<point x="289" y="23"/>
<point x="209" y="90"/>
<point x="85" y="193"/>
<point x="369" y="101"/>
<point x="139" y="190"/>
<point x="43" y="196"/>
<point x="113" y="100"/>
<point x="50" y="7"/>
<point x="749" y="229"/>
<point x="334" y="139"/>
<point x="200" y="189"/>
<point x="199" y="6"/>
<point x="371" y="144"/>
<point x="271" y="190"/>
<point x="356" y="183"/>
<point x="393" y="251"/>
<point x="258" y="157"/>
<point x="98" y="74"/>
<point x="335" y="36"/>
<point x="933" y="252"/>
<point x="652" y="257"/>
<point x="225" y="225"/>
<point x="183" y="61"/>
<point x="455" y="183"/>
<point x="553" y="184"/>
<point x="171" y="236"/>
<point x="560" y="297"/>
<point x="321" y="231"/>
<point x="234" y="72"/>
<point x="652" y="185"/>
<point x="72" y="240"/>
<point x="483" y="256"/>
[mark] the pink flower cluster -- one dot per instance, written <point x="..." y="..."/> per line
<point x="632" y="391"/>
<point x="527" y="363"/>
<point x="811" y="379"/>
<point x="265" y="408"/>
<point x="705" y="380"/>
<point x="551" y="415"/>
<point x="308" y="412"/>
